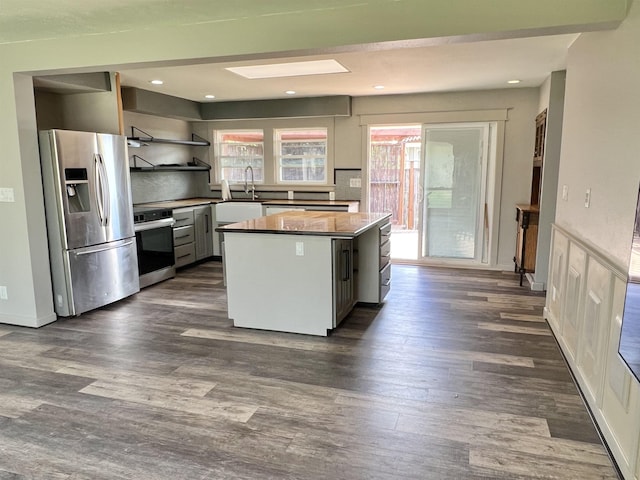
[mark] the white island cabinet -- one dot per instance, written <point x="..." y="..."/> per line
<point x="295" y="271"/>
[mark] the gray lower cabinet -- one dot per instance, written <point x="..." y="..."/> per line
<point x="374" y="264"/>
<point x="203" y="225"/>
<point x="183" y="237"/>
<point x="343" y="279"/>
<point x="385" y="260"/>
<point x="192" y="234"/>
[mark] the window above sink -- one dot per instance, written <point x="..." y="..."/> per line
<point x="284" y="153"/>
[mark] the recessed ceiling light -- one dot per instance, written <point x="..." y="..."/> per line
<point x="378" y="87"/>
<point x="292" y="69"/>
<point x="156" y="82"/>
<point x="290" y="92"/>
<point x="513" y="81"/>
<point x="209" y="96"/>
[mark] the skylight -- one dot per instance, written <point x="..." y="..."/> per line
<point x="292" y="69"/>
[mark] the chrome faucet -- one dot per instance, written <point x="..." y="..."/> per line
<point x="246" y="185"/>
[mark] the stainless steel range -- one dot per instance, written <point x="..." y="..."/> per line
<point x="154" y="238"/>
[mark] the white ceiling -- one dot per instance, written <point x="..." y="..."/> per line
<point x="453" y="67"/>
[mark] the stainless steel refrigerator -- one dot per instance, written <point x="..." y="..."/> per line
<point x="92" y="245"/>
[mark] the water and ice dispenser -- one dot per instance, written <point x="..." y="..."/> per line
<point x="77" y="189"/>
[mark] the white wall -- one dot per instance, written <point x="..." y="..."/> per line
<point x="601" y="138"/>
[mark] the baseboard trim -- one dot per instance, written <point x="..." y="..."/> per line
<point x="24" y="321"/>
<point x="535" y="286"/>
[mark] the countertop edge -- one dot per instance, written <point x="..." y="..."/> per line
<point x="383" y="217"/>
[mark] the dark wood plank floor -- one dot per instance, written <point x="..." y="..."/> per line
<point x="456" y="376"/>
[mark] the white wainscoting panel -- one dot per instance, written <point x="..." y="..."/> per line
<point x="557" y="277"/>
<point x="589" y="296"/>
<point x="621" y="394"/>
<point x="572" y="309"/>
<point x="594" y="333"/>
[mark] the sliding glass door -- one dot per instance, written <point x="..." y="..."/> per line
<point x="453" y="190"/>
<point x="432" y="178"/>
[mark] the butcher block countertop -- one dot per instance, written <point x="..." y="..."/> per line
<point x="339" y="224"/>
<point x="192" y="202"/>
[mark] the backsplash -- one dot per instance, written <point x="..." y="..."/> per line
<point x="344" y="190"/>
<point x="175" y="185"/>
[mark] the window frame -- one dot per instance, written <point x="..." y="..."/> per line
<point x="218" y="157"/>
<point x="278" y="156"/>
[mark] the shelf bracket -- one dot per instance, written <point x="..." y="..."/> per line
<point x="198" y="138"/>
<point x="138" y="157"/>
<point x="133" y="133"/>
<point x="196" y="162"/>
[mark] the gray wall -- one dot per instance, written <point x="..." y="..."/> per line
<point x="551" y="98"/>
<point x="516" y="151"/>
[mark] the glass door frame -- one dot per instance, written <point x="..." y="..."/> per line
<point x="481" y="234"/>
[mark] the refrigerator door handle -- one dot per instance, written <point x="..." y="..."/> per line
<point x="99" y="189"/>
<point x="103" y="249"/>
<point x="102" y="190"/>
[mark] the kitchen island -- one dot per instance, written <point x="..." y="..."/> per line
<point x="302" y="271"/>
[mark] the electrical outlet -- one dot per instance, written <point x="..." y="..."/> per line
<point x="3" y="292"/>
<point x="587" y="198"/>
<point x="290" y="194"/>
<point x="332" y="196"/>
<point x="300" y="249"/>
<point x="355" y="183"/>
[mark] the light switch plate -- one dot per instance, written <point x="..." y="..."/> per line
<point x="355" y="183"/>
<point x="6" y="195"/>
<point x="3" y="292"/>
<point x="565" y="193"/>
<point x="587" y="198"/>
<point x="300" y="249"/>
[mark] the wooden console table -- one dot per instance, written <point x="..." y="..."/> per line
<point x="527" y="239"/>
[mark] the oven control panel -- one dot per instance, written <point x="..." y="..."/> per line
<point x="148" y="214"/>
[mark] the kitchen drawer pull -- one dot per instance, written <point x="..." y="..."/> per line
<point x="183" y="256"/>
<point x="182" y="236"/>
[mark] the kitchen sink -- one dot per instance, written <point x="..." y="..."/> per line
<point x="237" y="211"/>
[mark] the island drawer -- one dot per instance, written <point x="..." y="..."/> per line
<point x="385" y="231"/>
<point x="385" y="281"/>
<point x="385" y="253"/>
<point x="185" y="254"/>
<point x="183" y="235"/>
<point x="183" y="217"/>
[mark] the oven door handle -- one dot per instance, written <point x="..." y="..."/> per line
<point x="164" y="222"/>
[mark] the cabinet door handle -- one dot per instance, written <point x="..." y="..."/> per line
<point x="346" y="265"/>
<point x="206" y="217"/>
